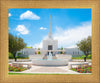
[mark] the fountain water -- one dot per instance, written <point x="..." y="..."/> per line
<point x="49" y="57"/>
<point x="60" y="60"/>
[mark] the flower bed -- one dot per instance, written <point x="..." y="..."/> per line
<point x="16" y="69"/>
<point x="86" y="69"/>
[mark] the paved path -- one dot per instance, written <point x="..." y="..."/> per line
<point x="50" y="70"/>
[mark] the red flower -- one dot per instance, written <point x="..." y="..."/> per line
<point x="82" y="70"/>
<point x="13" y="69"/>
<point x="89" y="69"/>
<point x="19" y="69"/>
<point x="77" y="69"/>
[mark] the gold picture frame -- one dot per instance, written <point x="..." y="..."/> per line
<point x="89" y="78"/>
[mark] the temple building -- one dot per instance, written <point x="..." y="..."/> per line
<point x="50" y="43"/>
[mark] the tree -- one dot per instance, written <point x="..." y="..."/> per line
<point x="15" y="44"/>
<point x="38" y="48"/>
<point x="39" y="51"/>
<point x="85" y="46"/>
<point x="11" y="55"/>
<point x="61" y="51"/>
<point x="61" y="48"/>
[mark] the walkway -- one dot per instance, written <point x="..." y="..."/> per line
<point x="49" y="70"/>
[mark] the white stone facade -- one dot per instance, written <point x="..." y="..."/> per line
<point x="53" y="43"/>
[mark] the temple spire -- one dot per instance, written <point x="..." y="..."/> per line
<point x="50" y="24"/>
<point x="50" y="34"/>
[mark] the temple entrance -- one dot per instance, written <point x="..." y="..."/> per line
<point x="50" y="48"/>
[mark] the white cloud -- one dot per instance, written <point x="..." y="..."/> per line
<point x="29" y="15"/>
<point x="72" y="46"/>
<point x="42" y="28"/>
<point x="9" y="14"/>
<point x="18" y="33"/>
<point x="69" y="37"/>
<point x="38" y="45"/>
<point x="22" y="29"/>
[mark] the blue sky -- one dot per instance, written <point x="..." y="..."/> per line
<point x="68" y="25"/>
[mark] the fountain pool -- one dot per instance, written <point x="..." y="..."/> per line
<point x="51" y="62"/>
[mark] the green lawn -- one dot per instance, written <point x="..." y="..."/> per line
<point x="32" y="74"/>
<point x="19" y="58"/>
<point x="41" y="74"/>
<point x="80" y="58"/>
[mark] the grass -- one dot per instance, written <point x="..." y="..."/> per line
<point x="33" y="74"/>
<point x="19" y="58"/>
<point x="79" y="58"/>
<point x="41" y="74"/>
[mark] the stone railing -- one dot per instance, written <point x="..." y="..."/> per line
<point x="63" y="56"/>
<point x="37" y="56"/>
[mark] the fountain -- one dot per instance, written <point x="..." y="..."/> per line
<point x="49" y="57"/>
<point x="61" y="59"/>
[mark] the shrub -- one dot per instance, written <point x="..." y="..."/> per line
<point x="74" y="69"/>
<point x="22" y="57"/>
<point x="38" y="48"/>
<point x="61" y="48"/>
<point x="83" y="56"/>
<point x="61" y="52"/>
<point x="10" y="56"/>
<point x="89" y="56"/>
<point x="19" y="54"/>
<point x="39" y="52"/>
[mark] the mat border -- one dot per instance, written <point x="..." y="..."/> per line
<point x="93" y="4"/>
